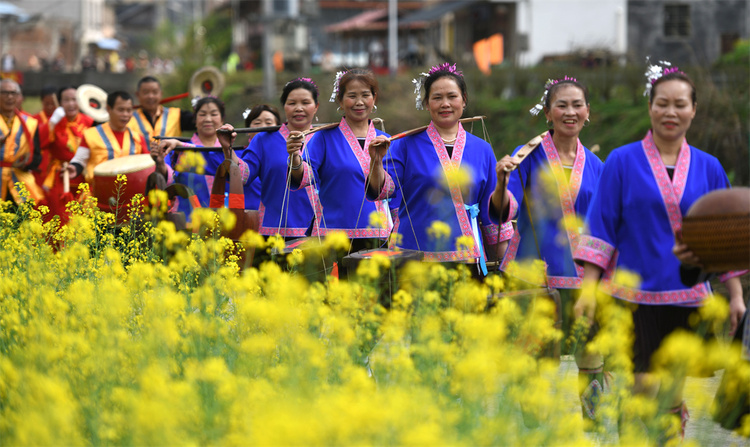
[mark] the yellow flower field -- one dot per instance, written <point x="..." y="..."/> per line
<point x="142" y="335"/>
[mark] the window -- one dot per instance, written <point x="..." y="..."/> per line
<point x="676" y="20"/>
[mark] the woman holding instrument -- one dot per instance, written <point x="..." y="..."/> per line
<point x="209" y="114"/>
<point x="549" y="195"/>
<point x="288" y="213"/>
<point x="443" y="174"/>
<point x="633" y="221"/>
<point x="337" y="161"/>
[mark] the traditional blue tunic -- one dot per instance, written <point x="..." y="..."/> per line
<point x="338" y="166"/>
<point x="429" y="182"/>
<point x="266" y="158"/>
<point x="558" y="207"/>
<point x="634" y="216"/>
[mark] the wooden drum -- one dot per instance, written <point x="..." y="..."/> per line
<point x="136" y="168"/>
<point x="717" y="229"/>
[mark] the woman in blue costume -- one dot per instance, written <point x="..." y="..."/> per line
<point x="554" y="184"/>
<point x="336" y="161"/>
<point x="633" y="221"/>
<point x="442" y="174"/>
<point x="209" y="116"/>
<point x="284" y="212"/>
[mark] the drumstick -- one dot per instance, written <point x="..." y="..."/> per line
<point x="423" y="128"/>
<point x="66" y="177"/>
<point x="527" y="149"/>
<point x="168" y="99"/>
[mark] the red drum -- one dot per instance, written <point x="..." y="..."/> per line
<point x="136" y="168"/>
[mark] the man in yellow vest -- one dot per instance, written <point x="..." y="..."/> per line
<point x="152" y="118"/>
<point x="112" y="139"/>
<point x="19" y="143"/>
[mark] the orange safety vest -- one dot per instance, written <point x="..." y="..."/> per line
<point x="167" y="125"/>
<point x="18" y="145"/>
<point x="103" y="145"/>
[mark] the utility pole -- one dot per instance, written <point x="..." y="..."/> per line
<point x="269" y="74"/>
<point x="393" y="37"/>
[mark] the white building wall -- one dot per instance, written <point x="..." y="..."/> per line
<point x="563" y="26"/>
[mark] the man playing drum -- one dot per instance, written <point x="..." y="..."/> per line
<point x="112" y="139"/>
<point x="19" y="143"/>
<point x="152" y="118"/>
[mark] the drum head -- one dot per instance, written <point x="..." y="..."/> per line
<point x="124" y="165"/>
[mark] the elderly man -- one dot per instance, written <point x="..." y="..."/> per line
<point x="152" y="118"/>
<point x="19" y="142"/>
<point x="112" y="139"/>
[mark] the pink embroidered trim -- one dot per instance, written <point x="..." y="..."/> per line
<point x="564" y="282"/>
<point x="506" y="232"/>
<point x="729" y="275"/>
<point x="355" y="233"/>
<point x="388" y="187"/>
<point x="362" y="154"/>
<point x="449" y="256"/>
<point x="454" y="162"/>
<point x="671" y="190"/>
<point x="567" y="190"/>
<point x="690" y="296"/>
<point x="594" y="250"/>
<point x="513" y="207"/>
<point x="491" y="233"/>
<point x="511" y="251"/>
<point x="284" y="232"/>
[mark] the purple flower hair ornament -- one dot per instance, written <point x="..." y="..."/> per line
<point x="548" y="85"/>
<point x="419" y="80"/>
<point x="656" y="71"/>
<point x="307" y="80"/>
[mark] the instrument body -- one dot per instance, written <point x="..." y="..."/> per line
<point x="136" y="169"/>
<point x="717" y="229"/>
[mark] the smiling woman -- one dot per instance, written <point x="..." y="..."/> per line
<point x="442" y="174"/>
<point x="633" y="222"/>
<point x="549" y="195"/>
<point x="337" y="162"/>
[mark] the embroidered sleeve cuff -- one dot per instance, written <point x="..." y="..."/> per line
<point x="388" y="188"/>
<point x="307" y="176"/>
<point x="594" y="250"/>
<point x="513" y="208"/>
<point x="490" y="233"/>
<point x="733" y="274"/>
<point x="170" y="175"/>
<point x="505" y="232"/>
<point x="244" y="171"/>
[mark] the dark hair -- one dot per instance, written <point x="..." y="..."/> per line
<point x="358" y="74"/>
<point x="260" y="108"/>
<point x="561" y="83"/>
<point x="47" y="90"/>
<point x="208" y="100"/>
<point x="112" y="97"/>
<point x="146" y="79"/>
<point x="442" y="73"/>
<point x="60" y="91"/>
<point x="299" y="83"/>
<point x="674" y="76"/>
